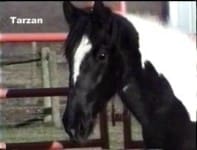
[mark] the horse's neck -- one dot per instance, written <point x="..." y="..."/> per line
<point x="132" y="98"/>
<point x="142" y="92"/>
<point x="148" y="95"/>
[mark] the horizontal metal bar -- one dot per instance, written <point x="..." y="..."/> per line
<point x="33" y="37"/>
<point x="38" y="92"/>
<point x="5" y="63"/>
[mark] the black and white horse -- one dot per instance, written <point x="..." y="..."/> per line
<point x="108" y="54"/>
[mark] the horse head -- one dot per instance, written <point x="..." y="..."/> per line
<point x="102" y="51"/>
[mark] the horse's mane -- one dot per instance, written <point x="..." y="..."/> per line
<point x="160" y="96"/>
<point x="157" y="81"/>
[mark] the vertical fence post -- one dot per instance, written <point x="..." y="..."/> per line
<point x="126" y="128"/>
<point x="46" y="82"/>
<point x="113" y="113"/>
<point x="33" y="64"/>
<point x="33" y="68"/>
<point x="54" y="83"/>
<point x="104" y="129"/>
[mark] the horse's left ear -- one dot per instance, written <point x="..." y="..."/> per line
<point x="100" y="11"/>
<point x="71" y="13"/>
<point x="98" y="5"/>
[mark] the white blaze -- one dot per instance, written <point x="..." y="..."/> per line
<point x="82" y="50"/>
<point x="174" y="55"/>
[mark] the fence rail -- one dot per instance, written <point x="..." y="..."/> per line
<point x="36" y="92"/>
<point x="32" y="37"/>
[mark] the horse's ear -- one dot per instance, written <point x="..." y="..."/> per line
<point x="98" y="5"/>
<point x="100" y="11"/>
<point x="71" y="13"/>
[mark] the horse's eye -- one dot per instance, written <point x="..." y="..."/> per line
<point x="101" y="56"/>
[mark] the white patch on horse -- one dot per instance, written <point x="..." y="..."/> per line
<point x="173" y="54"/>
<point x="82" y="50"/>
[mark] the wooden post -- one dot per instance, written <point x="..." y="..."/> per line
<point x="33" y="68"/>
<point x="46" y="82"/>
<point x="33" y="65"/>
<point x="104" y="129"/>
<point x="113" y="118"/>
<point x="54" y="83"/>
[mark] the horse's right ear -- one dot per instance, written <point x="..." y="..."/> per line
<point x="71" y="13"/>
